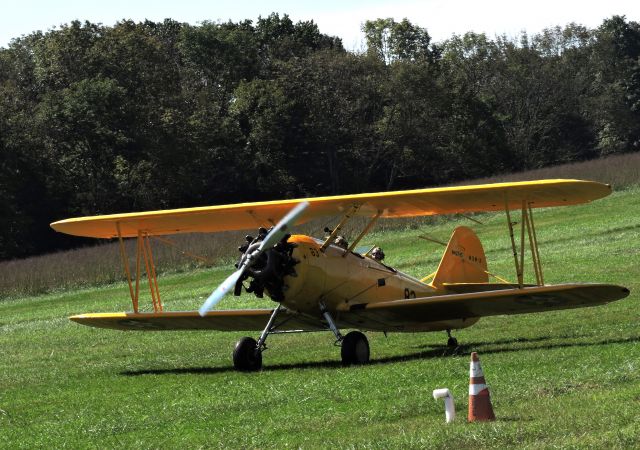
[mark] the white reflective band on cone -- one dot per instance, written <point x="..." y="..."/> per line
<point x="449" y="408"/>
<point x="475" y="369"/>
<point x="475" y="389"/>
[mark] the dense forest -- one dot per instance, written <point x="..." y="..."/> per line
<point x="100" y="119"/>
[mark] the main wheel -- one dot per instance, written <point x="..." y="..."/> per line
<point x="246" y="357"/>
<point x="355" y="349"/>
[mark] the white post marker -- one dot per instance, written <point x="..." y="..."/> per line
<point x="449" y="408"/>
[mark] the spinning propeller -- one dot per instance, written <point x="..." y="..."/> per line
<point x="252" y="254"/>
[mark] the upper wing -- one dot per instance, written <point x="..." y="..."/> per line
<point x="420" y="202"/>
<point x="412" y="314"/>
<point x="224" y="320"/>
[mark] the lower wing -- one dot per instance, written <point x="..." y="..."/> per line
<point x="420" y="314"/>
<point x="224" y="320"/>
<point x="453" y="310"/>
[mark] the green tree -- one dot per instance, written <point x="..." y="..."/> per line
<point x="83" y="127"/>
<point x="146" y="115"/>
<point x="616" y="87"/>
<point x="265" y="116"/>
<point x="280" y="39"/>
<point x="339" y="97"/>
<point x="390" y="41"/>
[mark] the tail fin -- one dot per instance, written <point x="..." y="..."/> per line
<point x="463" y="260"/>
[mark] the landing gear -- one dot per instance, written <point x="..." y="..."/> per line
<point x="355" y="346"/>
<point x="451" y="342"/>
<point x="331" y="324"/>
<point x="355" y="349"/>
<point x="246" y="355"/>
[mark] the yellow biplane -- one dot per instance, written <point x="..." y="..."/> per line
<point x="324" y="284"/>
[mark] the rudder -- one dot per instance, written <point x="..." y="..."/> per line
<point x="463" y="261"/>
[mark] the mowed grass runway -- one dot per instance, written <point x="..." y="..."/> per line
<point x="568" y="379"/>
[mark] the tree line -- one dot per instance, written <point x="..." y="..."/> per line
<point x="101" y="119"/>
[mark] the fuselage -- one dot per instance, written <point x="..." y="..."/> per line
<point x="336" y="276"/>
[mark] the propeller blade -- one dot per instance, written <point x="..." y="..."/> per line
<point x="282" y="227"/>
<point x="271" y="239"/>
<point x="221" y="291"/>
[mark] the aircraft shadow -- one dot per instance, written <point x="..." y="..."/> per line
<point x="515" y="340"/>
<point x="434" y="352"/>
<point x="469" y="347"/>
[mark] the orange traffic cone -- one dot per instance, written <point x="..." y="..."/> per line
<point x="480" y="408"/>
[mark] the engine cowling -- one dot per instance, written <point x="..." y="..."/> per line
<point x="267" y="273"/>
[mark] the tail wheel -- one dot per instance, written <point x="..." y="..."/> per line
<point x="355" y="349"/>
<point x="246" y="356"/>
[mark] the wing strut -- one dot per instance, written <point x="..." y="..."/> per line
<point x="513" y="242"/>
<point x="533" y="241"/>
<point x="364" y="232"/>
<point x="348" y="215"/>
<point x="143" y="250"/>
<point x="127" y="271"/>
<point x="526" y="222"/>
<point x="151" y="272"/>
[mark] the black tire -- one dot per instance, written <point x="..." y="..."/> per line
<point x="355" y="349"/>
<point x="245" y="356"/>
<point x="452" y="342"/>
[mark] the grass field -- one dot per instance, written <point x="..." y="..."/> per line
<point x="569" y="379"/>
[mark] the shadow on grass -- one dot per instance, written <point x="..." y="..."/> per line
<point x="437" y="352"/>
<point x="477" y="346"/>
<point x="515" y="340"/>
<point x="213" y="370"/>
<point x="295" y="366"/>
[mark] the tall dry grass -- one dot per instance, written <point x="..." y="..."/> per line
<point x="101" y="264"/>
<point x="620" y="171"/>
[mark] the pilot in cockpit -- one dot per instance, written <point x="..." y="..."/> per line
<point x="377" y="254"/>
<point x="341" y="242"/>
